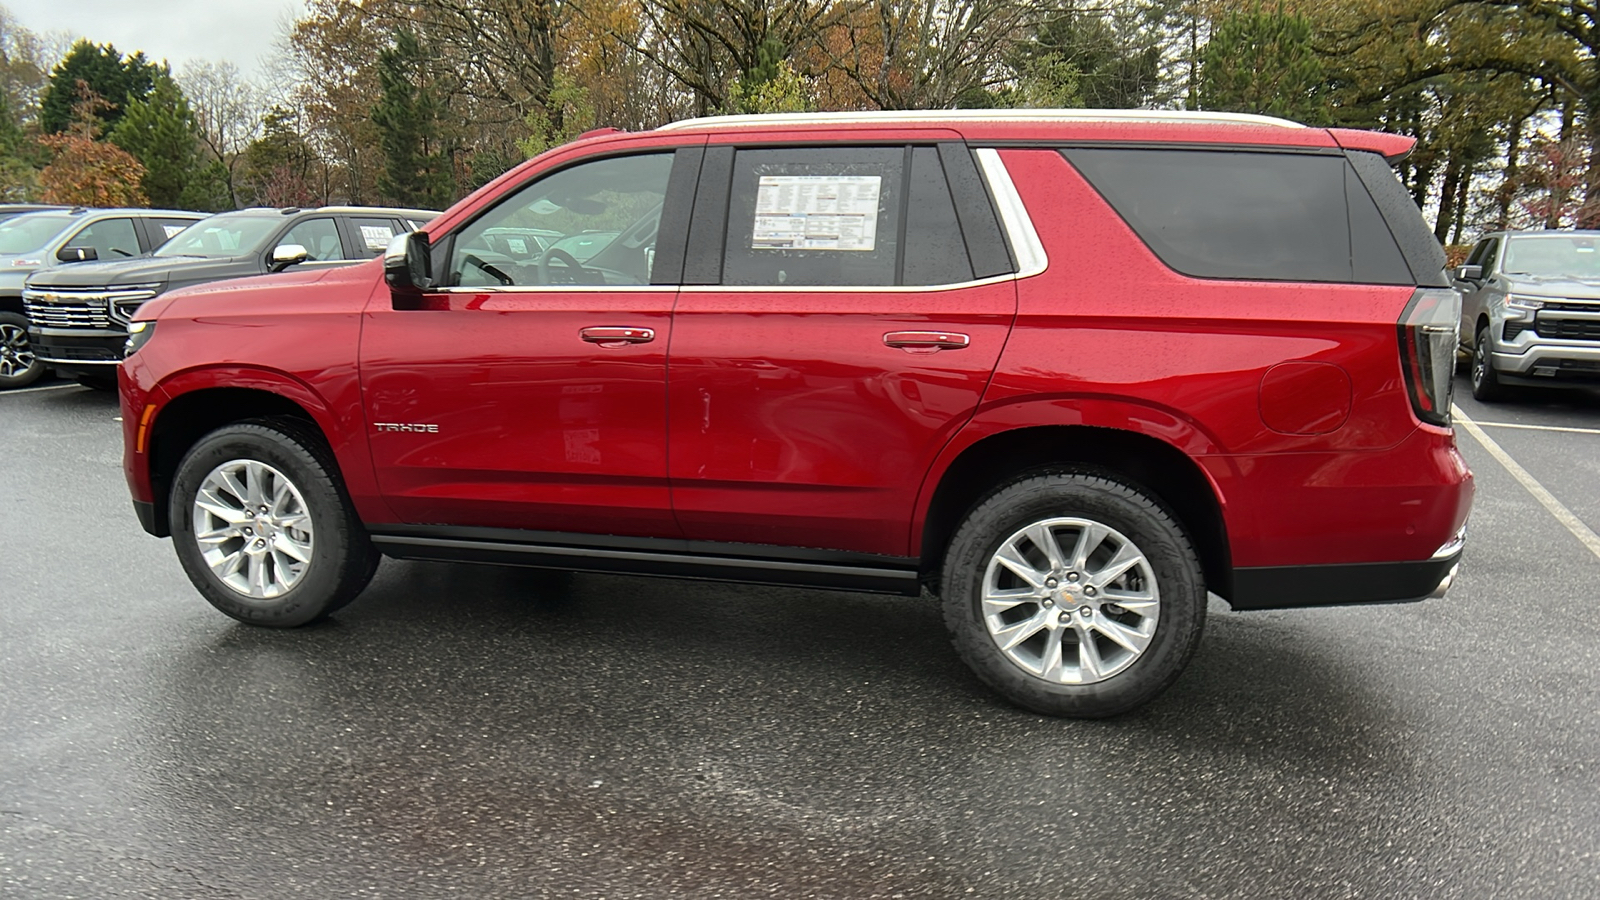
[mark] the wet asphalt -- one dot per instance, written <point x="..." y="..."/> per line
<point x="467" y="731"/>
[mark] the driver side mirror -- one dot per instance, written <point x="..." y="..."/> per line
<point x="77" y="254"/>
<point x="408" y="267"/>
<point x="1469" y="273"/>
<point x="286" y="255"/>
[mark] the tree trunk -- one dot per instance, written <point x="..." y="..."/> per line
<point x="1508" y="185"/>
<point x="1447" y="196"/>
<point x="1464" y="193"/>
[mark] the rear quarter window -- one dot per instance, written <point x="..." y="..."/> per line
<point x="1230" y="214"/>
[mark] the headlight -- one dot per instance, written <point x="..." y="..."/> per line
<point x="124" y="300"/>
<point x="139" y="334"/>
<point x="1524" y="302"/>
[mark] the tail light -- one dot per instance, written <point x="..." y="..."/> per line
<point x="1428" y="351"/>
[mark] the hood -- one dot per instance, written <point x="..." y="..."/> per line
<point x="200" y="293"/>
<point x="165" y="270"/>
<point x="1554" y="285"/>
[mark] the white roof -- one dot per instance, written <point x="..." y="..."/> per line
<point x="890" y="117"/>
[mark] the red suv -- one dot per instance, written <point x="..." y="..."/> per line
<point x="1069" y="371"/>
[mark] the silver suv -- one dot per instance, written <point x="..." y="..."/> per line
<point x="1530" y="310"/>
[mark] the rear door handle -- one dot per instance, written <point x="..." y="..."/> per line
<point x="614" y="336"/>
<point x="926" y="341"/>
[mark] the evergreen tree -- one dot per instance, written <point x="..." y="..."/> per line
<point x="416" y="171"/>
<point x="161" y="133"/>
<point x="1100" y="60"/>
<point x="107" y="75"/>
<point x="1261" y="61"/>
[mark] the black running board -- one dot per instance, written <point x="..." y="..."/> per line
<point x="662" y="557"/>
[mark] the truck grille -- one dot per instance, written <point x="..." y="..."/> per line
<point x="68" y="314"/>
<point x="84" y="307"/>
<point x="1567" y="329"/>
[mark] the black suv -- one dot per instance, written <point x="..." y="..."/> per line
<point x="79" y="318"/>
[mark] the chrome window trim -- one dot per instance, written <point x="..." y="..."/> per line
<point x="1024" y="238"/>
<point x="1031" y="257"/>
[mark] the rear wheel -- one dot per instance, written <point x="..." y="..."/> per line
<point x="1486" y="386"/>
<point x="263" y="527"/>
<point x="19" y="367"/>
<point x="1074" y="594"/>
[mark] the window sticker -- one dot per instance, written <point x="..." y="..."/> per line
<point x="517" y="245"/>
<point x="816" y="212"/>
<point x="376" y="237"/>
<point x="172" y="230"/>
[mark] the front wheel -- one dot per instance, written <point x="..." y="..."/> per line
<point x="19" y="366"/>
<point x="1074" y="594"/>
<point x="1486" y="386"/>
<point x="264" y="529"/>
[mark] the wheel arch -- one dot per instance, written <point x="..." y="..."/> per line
<point x="1170" y="475"/>
<point x="191" y="414"/>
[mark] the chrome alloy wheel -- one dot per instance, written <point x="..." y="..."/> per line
<point x="1480" y="362"/>
<point x="16" y="354"/>
<point x="253" y="528"/>
<point x="1070" y="600"/>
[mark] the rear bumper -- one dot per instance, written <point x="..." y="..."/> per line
<point x="1288" y="587"/>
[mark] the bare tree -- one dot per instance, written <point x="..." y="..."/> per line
<point x="228" y="109"/>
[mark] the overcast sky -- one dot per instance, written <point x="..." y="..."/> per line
<point x="242" y="31"/>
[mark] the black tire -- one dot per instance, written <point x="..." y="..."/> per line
<point x="341" y="560"/>
<point x="1486" y="386"/>
<point x="18" y="366"/>
<point x="1136" y="519"/>
<point x="97" y="380"/>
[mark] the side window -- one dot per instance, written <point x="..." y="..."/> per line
<point x="1221" y="214"/>
<point x="1491" y="249"/>
<point x="1475" y="258"/>
<point x="935" y="252"/>
<point x="373" y="236"/>
<point x="814" y="216"/>
<point x="592" y="223"/>
<point x="110" y="238"/>
<point x="164" y="230"/>
<point x="320" y="237"/>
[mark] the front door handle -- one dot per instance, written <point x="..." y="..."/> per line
<point x="926" y="341"/>
<point x="613" y="336"/>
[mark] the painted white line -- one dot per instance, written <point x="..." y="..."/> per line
<point x="1545" y="498"/>
<point x="48" y="387"/>
<point x="1568" y="429"/>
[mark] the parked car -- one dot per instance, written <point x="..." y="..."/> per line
<point x="51" y="239"/>
<point x="80" y="317"/>
<point x="1530" y="311"/>
<point x="1069" y="370"/>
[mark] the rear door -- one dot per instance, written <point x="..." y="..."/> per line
<point x="835" y="329"/>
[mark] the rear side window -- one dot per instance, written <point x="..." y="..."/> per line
<point x="814" y="216"/>
<point x="1221" y="214"/>
<point x="167" y="229"/>
<point x="935" y="252"/>
<point x="373" y="235"/>
<point x="1421" y="249"/>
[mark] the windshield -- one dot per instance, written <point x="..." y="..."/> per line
<point x="27" y="233"/>
<point x="223" y="237"/>
<point x="1572" y="256"/>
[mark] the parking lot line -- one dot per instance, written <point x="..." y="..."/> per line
<point x="1546" y="499"/>
<point x="48" y="387"/>
<point x="1565" y="428"/>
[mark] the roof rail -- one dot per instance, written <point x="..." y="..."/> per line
<point x="873" y="117"/>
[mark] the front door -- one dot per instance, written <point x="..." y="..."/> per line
<point x="529" y="392"/>
<point x="848" y="336"/>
